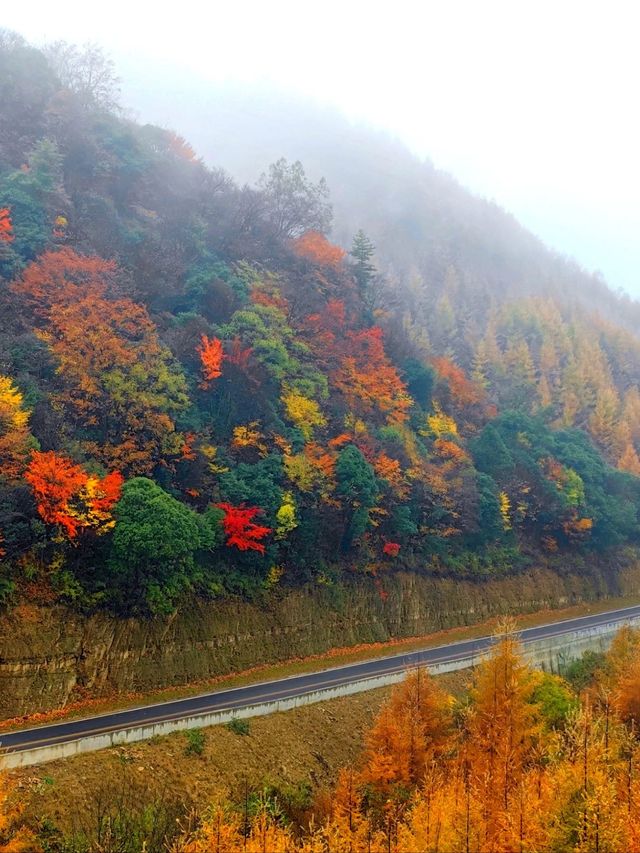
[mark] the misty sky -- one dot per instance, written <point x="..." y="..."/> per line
<point x="533" y="104"/>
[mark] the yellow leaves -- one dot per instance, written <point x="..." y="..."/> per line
<point x="301" y="472"/>
<point x="286" y="518"/>
<point x="15" y="439"/>
<point x="12" y="415"/>
<point x="210" y="453"/>
<point x="355" y="425"/>
<point x="505" y="510"/>
<point x="304" y="412"/>
<point x="274" y="576"/>
<point x="249" y="436"/>
<point x="439" y="424"/>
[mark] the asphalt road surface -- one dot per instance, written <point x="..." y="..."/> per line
<point x="286" y="688"/>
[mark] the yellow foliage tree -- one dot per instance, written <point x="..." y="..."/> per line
<point x="304" y="412"/>
<point x="286" y="519"/>
<point x="16" y="442"/>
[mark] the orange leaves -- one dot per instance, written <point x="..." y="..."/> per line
<point x="116" y="378"/>
<point x="68" y="497"/>
<point x="316" y="248"/>
<point x="367" y="378"/>
<point x="248" y="436"/>
<point x="6" y="226"/>
<point x="211" y="356"/>
<point x="390" y="470"/>
<point x="239" y="355"/>
<point x="577" y="528"/>
<point x="64" y="277"/>
<point x="463" y="391"/>
<point x="239" y="528"/>
<point x="449" y="450"/>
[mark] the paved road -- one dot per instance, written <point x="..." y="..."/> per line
<point x="285" y="688"/>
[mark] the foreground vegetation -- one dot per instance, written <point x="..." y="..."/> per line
<point x="518" y="760"/>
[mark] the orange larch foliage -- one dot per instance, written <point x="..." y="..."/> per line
<point x="6" y="226"/>
<point x="463" y="391"/>
<point x="409" y="733"/>
<point x="14" y="838"/>
<point x="449" y="450"/>
<point x="323" y="460"/>
<point x="367" y="378"/>
<point x="68" y="497"/>
<point x="211" y="356"/>
<point x="315" y="247"/>
<point x="269" y="296"/>
<point x="340" y="440"/>
<point x="239" y="528"/>
<point x="64" y="277"/>
<point x="238" y="355"/>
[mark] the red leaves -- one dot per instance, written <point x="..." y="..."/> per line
<point x="239" y="528"/>
<point x="391" y="549"/>
<point x="316" y="248"/>
<point x="6" y="227"/>
<point x="211" y="356"/>
<point x="68" y="497"/>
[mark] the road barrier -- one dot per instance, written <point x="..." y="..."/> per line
<point x="550" y="653"/>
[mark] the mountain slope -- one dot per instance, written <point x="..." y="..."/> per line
<point x="200" y="393"/>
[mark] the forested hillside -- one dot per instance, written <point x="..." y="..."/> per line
<point x="201" y="392"/>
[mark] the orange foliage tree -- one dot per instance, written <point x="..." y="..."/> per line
<point x="367" y="378"/>
<point x="62" y="277"/>
<point x="69" y="497"/>
<point x="463" y="391"/>
<point x="117" y="381"/>
<point x="315" y="247"/>
<point x="211" y="356"/>
<point x="6" y="226"/>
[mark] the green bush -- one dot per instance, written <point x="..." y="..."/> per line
<point x="195" y="742"/>
<point x="239" y="727"/>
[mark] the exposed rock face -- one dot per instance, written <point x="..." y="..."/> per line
<point x="49" y="656"/>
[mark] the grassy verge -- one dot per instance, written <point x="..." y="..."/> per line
<point x="314" y="663"/>
<point x="301" y="749"/>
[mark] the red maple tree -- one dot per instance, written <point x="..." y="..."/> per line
<point x="239" y="528"/>
<point x="68" y="497"/>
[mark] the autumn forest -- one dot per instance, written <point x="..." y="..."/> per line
<point x="201" y="394"/>
<point x="223" y="394"/>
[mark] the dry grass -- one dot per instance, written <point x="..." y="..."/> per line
<point x="308" y="744"/>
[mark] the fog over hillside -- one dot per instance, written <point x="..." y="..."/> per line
<point x="420" y="218"/>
